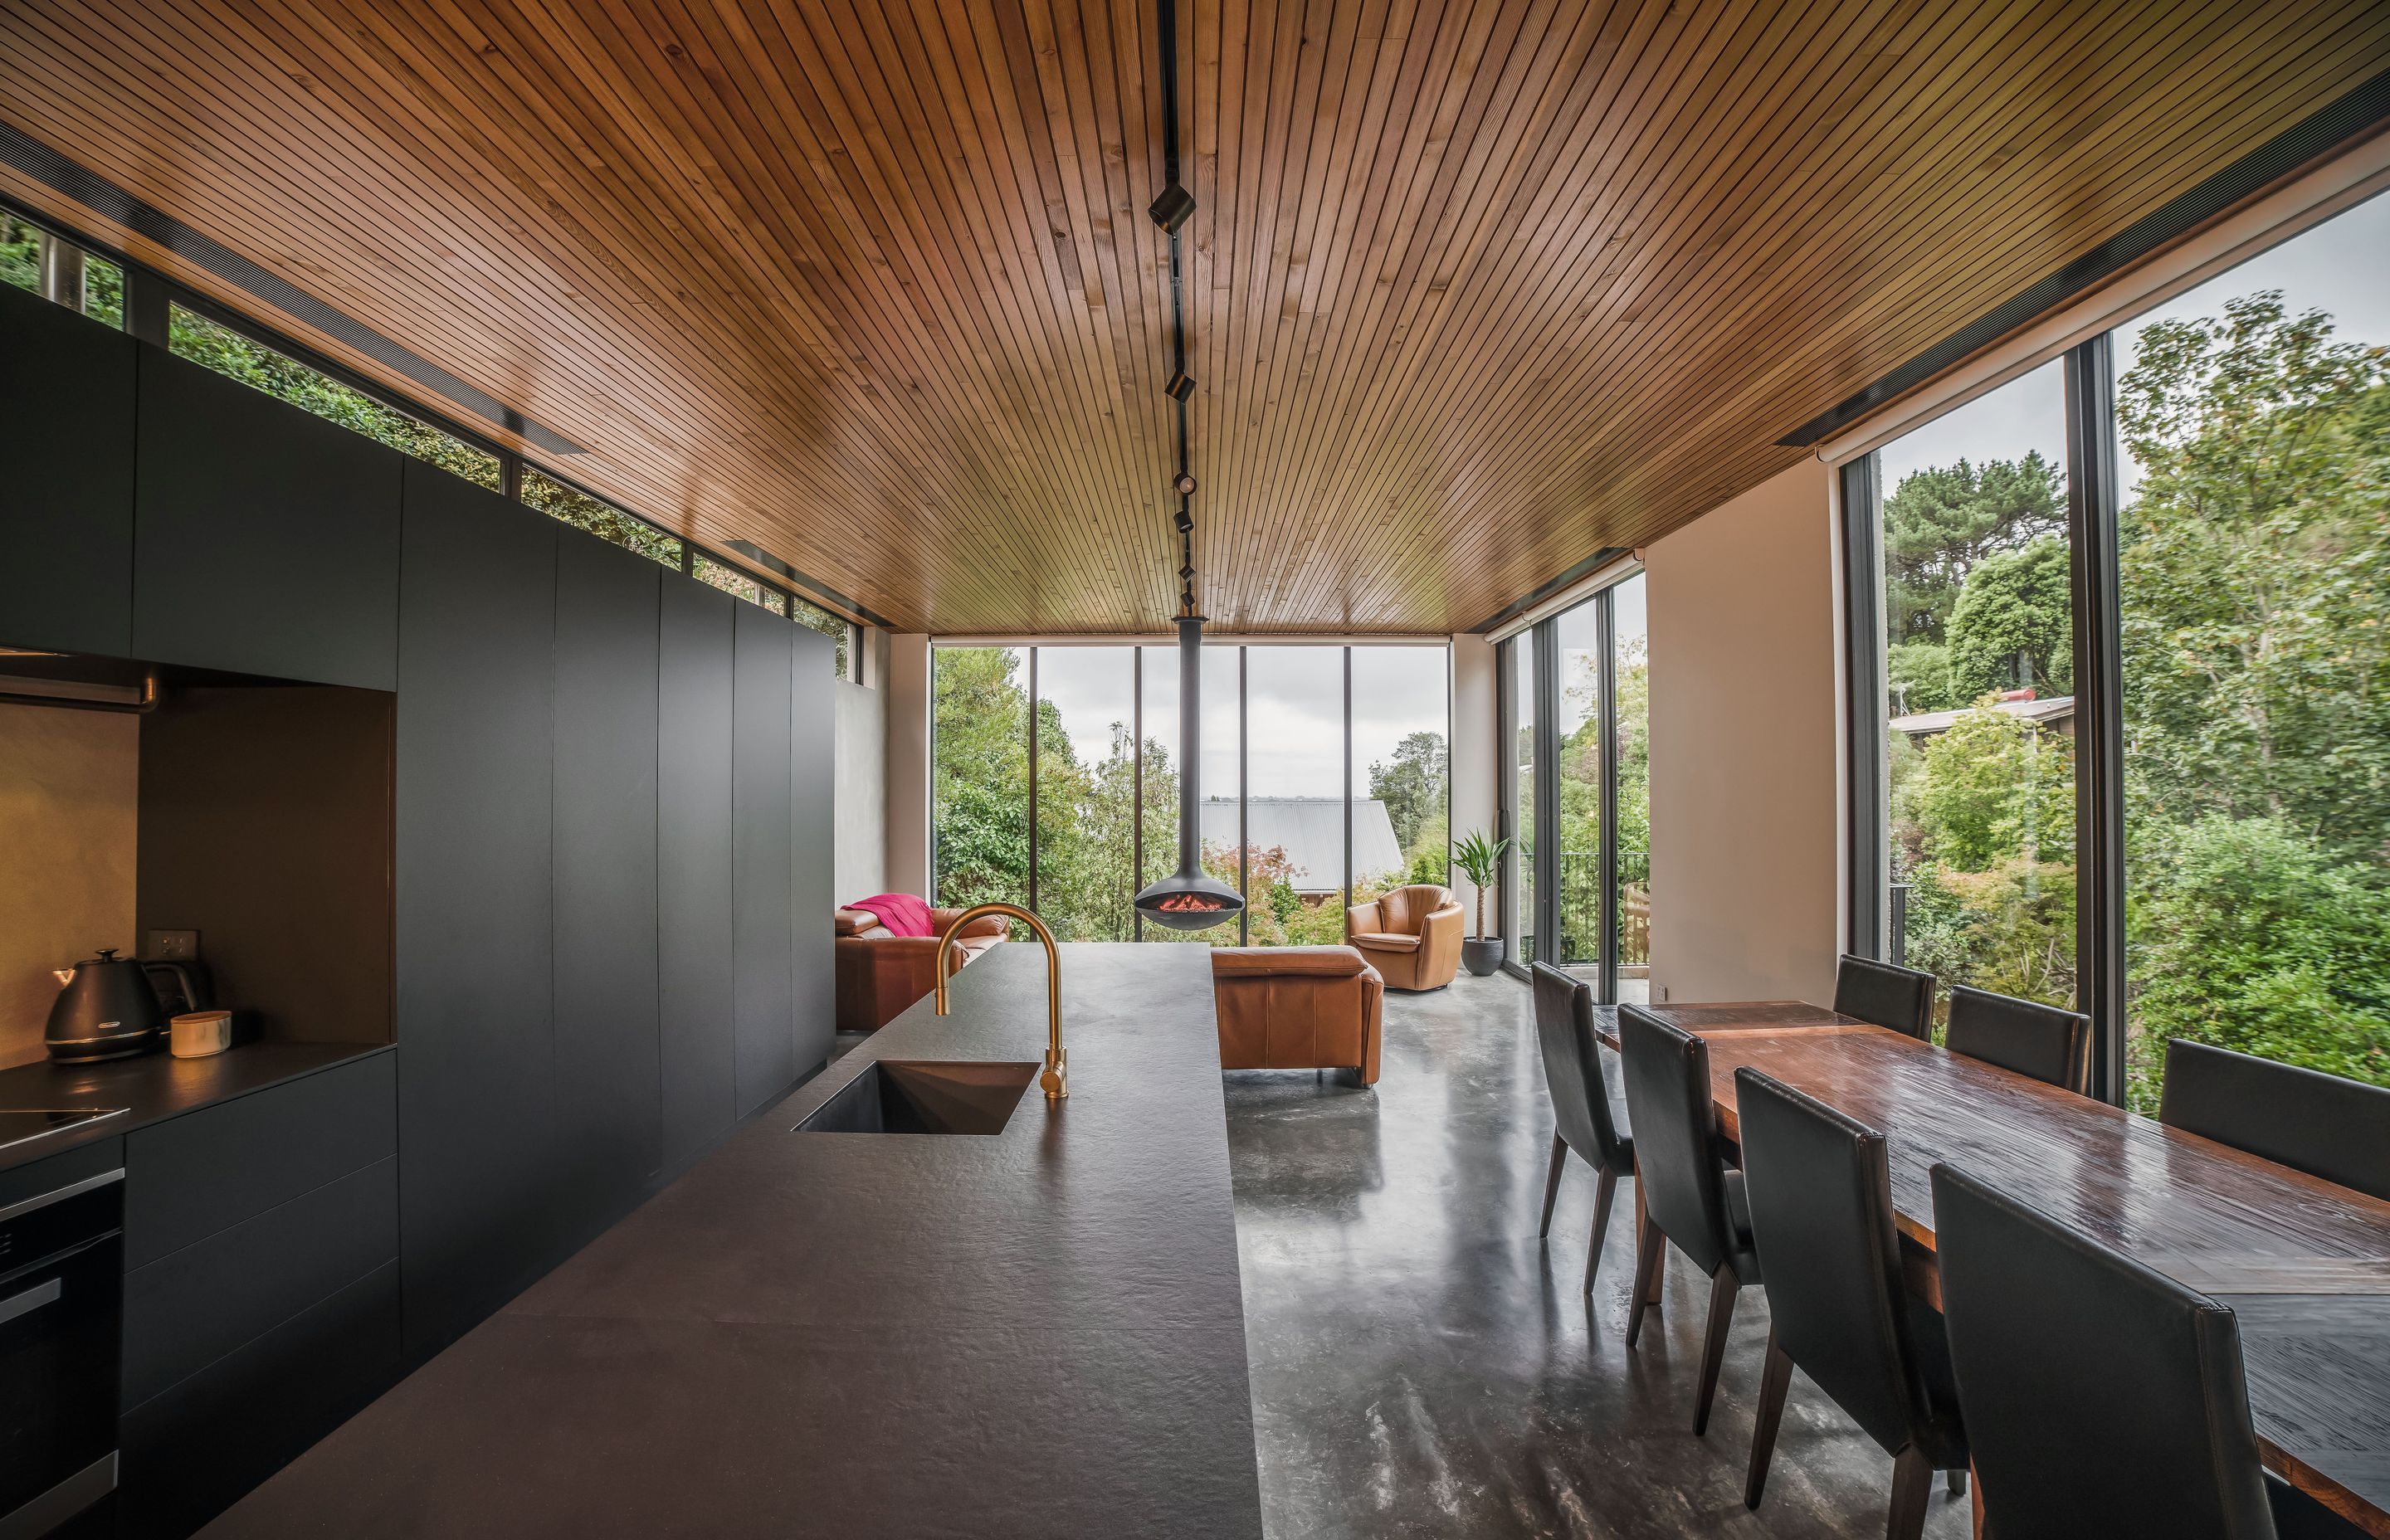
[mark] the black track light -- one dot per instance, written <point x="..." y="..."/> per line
<point x="1172" y="207"/>
<point x="1184" y="483"/>
<point x="1186" y="522"/>
<point x="1180" y="385"/>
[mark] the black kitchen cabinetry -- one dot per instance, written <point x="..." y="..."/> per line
<point x="693" y="844"/>
<point x="476" y="981"/>
<point x="609" y="1093"/>
<point x="812" y="774"/>
<point x="66" y="495"/>
<point x="265" y="540"/>
<point x="260" y="1300"/>
<point x="762" y="870"/>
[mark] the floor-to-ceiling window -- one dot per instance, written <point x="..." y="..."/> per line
<point x="2253" y="416"/>
<point x="1328" y="762"/>
<point x="979" y="782"/>
<point x="2139" y="724"/>
<point x="1979" y="693"/>
<point x="1401" y="819"/>
<point x="1086" y="791"/>
<point x="1575" y="790"/>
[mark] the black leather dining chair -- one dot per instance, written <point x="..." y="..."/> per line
<point x="2101" y="1398"/>
<point x="2047" y="1043"/>
<point x="1901" y="998"/>
<point x="1691" y="1196"/>
<point x="1585" y="1119"/>
<point x="1821" y="1191"/>
<point x="2322" y="1124"/>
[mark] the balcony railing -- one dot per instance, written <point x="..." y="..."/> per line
<point x="1581" y="907"/>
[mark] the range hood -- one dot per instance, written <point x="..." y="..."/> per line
<point x="1187" y="899"/>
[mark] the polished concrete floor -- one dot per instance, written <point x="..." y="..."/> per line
<point x="1424" y="1366"/>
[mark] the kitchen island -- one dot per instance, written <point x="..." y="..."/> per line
<point x="1036" y="1332"/>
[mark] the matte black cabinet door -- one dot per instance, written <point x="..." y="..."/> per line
<point x="476" y="981"/>
<point x="608" y="1091"/>
<point x="693" y="844"/>
<point x="265" y="540"/>
<point x="761" y="869"/>
<point x="66" y="480"/>
<point x="812" y="774"/>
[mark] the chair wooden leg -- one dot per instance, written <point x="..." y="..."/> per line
<point x="1912" y="1485"/>
<point x="1659" y="1275"/>
<point x="1552" y="1184"/>
<point x="1650" y="1245"/>
<point x="1724" y="1288"/>
<point x="1605" y="1188"/>
<point x="1773" y="1382"/>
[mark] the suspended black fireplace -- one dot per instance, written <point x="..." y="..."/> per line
<point x="1187" y="899"/>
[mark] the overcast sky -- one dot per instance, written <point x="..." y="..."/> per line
<point x="2338" y="267"/>
<point x="1294" y="708"/>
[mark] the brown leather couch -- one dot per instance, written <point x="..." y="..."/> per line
<point x="880" y="974"/>
<point x="1297" y="1007"/>
<point x="1411" y="936"/>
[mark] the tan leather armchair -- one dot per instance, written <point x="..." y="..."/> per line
<point x="880" y="974"/>
<point x="1411" y="936"/>
<point x="1297" y="1007"/>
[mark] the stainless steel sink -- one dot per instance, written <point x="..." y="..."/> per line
<point x="924" y="1097"/>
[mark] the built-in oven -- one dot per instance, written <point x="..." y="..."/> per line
<point x="61" y="1305"/>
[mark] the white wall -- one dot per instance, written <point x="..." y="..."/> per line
<point x="1475" y="781"/>
<point x="860" y="858"/>
<point x="905" y="686"/>
<point x="1744" y="800"/>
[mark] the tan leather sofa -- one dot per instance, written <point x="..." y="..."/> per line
<point x="1411" y="936"/>
<point x="880" y="974"/>
<point x="1297" y="1007"/>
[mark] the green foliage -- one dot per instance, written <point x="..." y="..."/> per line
<point x="1994" y="787"/>
<point x="606" y="522"/>
<point x="228" y="352"/>
<point x="980" y="791"/>
<point x="1480" y="860"/>
<point x="1918" y="675"/>
<point x="21" y="267"/>
<point x="2014" y="624"/>
<point x="1941" y="521"/>
<point x="1411" y="786"/>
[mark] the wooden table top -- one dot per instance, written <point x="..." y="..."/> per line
<point x="2305" y="1264"/>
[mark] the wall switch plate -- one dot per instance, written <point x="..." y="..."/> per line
<point x="173" y="946"/>
<point x="1664" y="994"/>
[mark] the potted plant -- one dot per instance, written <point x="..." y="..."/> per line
<point x="1480" y="860"/>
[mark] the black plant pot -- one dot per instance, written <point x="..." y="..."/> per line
<point x="1482" y="955"/>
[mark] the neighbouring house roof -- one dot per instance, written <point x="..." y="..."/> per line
<point x="2057" y="713"/>
<point x="1311" y="830"/>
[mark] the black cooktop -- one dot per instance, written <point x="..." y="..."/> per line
<point x="18" y="1126"/>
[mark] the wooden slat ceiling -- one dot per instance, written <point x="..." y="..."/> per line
<point x="1477" y="287"/>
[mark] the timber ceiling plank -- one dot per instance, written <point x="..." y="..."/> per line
<point x="1474" y="288"/>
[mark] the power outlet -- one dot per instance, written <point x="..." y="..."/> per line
<point x="173" y="946"/>
<point x="1664" y="994"/>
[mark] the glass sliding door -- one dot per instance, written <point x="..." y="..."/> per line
<point x="1402" y="820"/>
<point x="2253" y="565"/>
<point x="1580" y="754"/>
<point x="1520" y="799"/>
<point x="1630" y="820"/>
<point x="1086" y="791"/>
<point x="1978" y="674"/>
<point x="979" y="790"/>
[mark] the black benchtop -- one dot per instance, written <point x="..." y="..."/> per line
<point x="155" y="1087"/>
<point x="1037" y="1333"/>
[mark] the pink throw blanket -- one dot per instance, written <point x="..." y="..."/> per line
<point x="903" y="914"/>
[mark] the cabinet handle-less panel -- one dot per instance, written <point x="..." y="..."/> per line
<point x="700" y="1002"/>
<point x="265" y="540"/>
<point x="762" y="855"/>
<point x="813" y="829"/>
<point x="606" y="1071"/>
<point x="66" y="494"/>
<point x="476" y="979"/>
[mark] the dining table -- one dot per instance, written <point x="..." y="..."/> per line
<point x="2302" y="1262"/>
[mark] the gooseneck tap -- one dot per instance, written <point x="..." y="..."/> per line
<point x="1055" y="1079"/>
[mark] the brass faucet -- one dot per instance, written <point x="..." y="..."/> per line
<point x="1055" y="1081"/>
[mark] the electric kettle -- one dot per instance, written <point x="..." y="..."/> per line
<point x="108" y="1009"/>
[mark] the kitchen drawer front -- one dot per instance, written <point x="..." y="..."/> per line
<point x="194" y="1450"/>
<point x="62" y="1170"/>
<point x="215" y="1296"/>
<point x="207" y="1171"/>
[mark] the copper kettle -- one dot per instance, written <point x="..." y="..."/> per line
<point x="107" y="1008"/>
